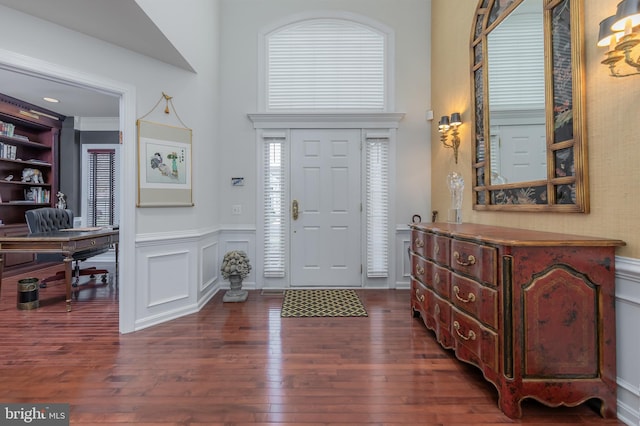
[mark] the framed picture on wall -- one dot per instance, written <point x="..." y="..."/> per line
<point x="164" y="165"/>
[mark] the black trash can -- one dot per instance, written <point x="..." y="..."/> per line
<point x="28" y="294"/>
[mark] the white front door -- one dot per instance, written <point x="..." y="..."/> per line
<point x="325" y="185"/>
<point x="523" y="152"/>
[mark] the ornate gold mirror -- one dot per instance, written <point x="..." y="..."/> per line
<point x="529" y="146"/>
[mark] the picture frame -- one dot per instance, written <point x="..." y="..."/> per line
<point x="164" y="165"/>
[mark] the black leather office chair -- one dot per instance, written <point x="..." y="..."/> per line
<point x="48" y="219"/>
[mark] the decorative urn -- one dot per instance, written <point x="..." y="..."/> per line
<point x="235" y="268"/>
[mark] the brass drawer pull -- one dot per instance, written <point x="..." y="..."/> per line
<point x="419" y="243"/>
<point x="471" y="259"/>
<point x="470" y="299"/>
<point x="470" y="336"/>
<point x="436" y="312"/>
<point x="419" y="270"/>
<point x="93" y="242"/>
<point x="419" y="296"/>
<point x="436" y="278"/>
<point x="436" y="249"/>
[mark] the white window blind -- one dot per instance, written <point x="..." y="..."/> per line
<point x="377" y="171"/>
<point x="101" y="194"/>
<point x="325" y="64"/>
<point x="516" y="76"/>
<point x="274" y="208"/>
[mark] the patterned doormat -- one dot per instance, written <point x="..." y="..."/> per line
<point x="322" y="303"/>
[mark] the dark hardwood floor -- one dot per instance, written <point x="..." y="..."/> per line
<point x="240" y="363"/>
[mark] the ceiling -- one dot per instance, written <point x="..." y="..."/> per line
<point x="74" y="101"/>
<point x="134" y="31"/>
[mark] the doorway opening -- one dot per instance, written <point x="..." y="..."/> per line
<point x="125" y="94"/>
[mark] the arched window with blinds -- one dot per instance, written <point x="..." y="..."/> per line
<point x="326" y="64"/>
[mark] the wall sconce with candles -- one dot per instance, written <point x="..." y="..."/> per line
<point x="621" y="33"/>
<point x="444" y="126"/>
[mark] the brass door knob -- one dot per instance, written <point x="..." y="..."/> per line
<point x="294" y="209"/>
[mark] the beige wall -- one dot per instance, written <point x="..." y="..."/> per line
<point x="612" y="133"/>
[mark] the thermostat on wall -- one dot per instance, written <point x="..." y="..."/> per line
<point x="237" y="181"/>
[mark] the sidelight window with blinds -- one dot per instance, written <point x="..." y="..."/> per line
<point x="274" y="207"/>
<point x="377" y="202"/>
<point x="101" y="195"/>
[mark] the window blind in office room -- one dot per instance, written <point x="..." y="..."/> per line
<point x="101" y="193"/>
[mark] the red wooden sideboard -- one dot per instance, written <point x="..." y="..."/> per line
<point x="535" y="311"/>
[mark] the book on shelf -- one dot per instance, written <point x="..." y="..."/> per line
<point x="6" y="129"/>
<point x="36" y="194"/>
<point x="7" y="151"/>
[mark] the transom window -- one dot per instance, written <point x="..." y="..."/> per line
<point x="326" y="64"/>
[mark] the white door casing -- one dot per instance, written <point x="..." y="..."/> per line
<point x="325" y="183"/>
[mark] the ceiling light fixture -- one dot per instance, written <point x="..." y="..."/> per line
<point x="52" y="100"/>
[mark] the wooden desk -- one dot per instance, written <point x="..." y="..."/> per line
<point x="66" y="242"/>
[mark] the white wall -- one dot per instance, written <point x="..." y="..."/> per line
<point x="243" y="21"/>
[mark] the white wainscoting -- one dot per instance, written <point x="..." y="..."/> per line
<point x="176" y="274"/>
<point x="209" y="252"/>
<point x="627" y="339"/>
<point x="403" y="264"/>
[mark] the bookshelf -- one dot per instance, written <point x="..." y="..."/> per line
<point x="29" y="137"/>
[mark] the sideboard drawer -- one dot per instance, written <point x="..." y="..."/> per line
<point x="476" y="299"/>
<point x="418" y="298"/>
<point x="439" y="312"/>
<point x="439" y="248"/>
<point x="419" y="269"/>
<point x="418" y="242"/>
<point x="474" y="342"/>
<point x="476" y="260"/>
<point x="440" y="278"/>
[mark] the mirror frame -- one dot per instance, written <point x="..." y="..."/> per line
<point x="566" y="187"/>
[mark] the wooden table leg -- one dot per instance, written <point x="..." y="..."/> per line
<point x="68" y="277"/>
